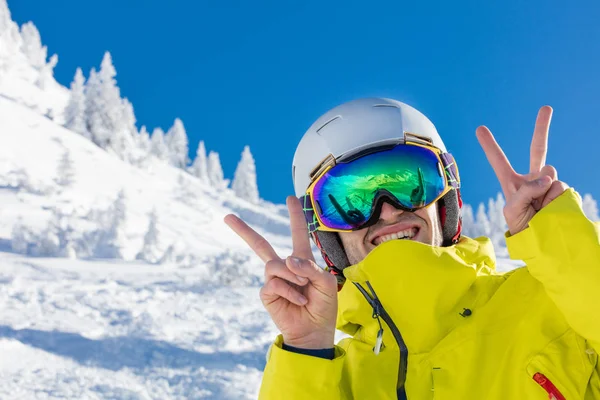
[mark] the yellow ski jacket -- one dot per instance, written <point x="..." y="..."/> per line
<point x="450" y="327"/>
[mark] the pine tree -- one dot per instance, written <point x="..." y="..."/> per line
<point x="244" y="182"/>
<point x="150" y="251"/>
<point x="114" y="239"/>
<point x="93" y="105"/>
<point x="177" y="143"/>
<point x="496" y="220"/>
<point x="32" y="46"/>
<point x="143" y="141"/>
<point x="75" y="110"/>
<point x="215" y="171"/>
<point x="159" y="147"/>
<point x="590" y="207"/>
<point x="46" y="75"/>
<point x="104" y="107"/>
<point x="65" y="173"/>
<point x="468" y="221"/>
<point x="123" y="140"/>
<point x="482" y="222"/>
<point x="5" y="18"/>
<point x="21" y="235"/>
<point x="200" y="166"/>
<point x="10" y="38"/>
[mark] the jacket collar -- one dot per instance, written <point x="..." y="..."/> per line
<point x="422" y="288"/>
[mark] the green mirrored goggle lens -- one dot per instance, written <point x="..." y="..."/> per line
<point x="346" y="195"/>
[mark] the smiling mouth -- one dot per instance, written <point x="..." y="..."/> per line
<point x="405" y="234"/>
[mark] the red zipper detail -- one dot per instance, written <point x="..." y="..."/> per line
<point x="553" y="392"/>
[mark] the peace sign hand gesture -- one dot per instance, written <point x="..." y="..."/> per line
<point x="528" y="193"/>
<point x="299" y="295"/>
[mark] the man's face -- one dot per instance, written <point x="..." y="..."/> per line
<point x="422" y="226"/>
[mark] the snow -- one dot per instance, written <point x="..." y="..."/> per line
<point x="191" y="327"/>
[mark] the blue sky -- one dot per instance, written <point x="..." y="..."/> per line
<point x="259" y="73"/>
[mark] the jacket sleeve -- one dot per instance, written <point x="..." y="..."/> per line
<point x="561" y="248"/>
<point x="292" y="376"/>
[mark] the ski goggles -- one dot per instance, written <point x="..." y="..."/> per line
<point x="345" y="195"/>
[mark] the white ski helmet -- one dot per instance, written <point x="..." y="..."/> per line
<point x="355" y="126"/>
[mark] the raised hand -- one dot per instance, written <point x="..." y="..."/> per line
<point x="525" y="194"/>
<point x="300" y="296"/>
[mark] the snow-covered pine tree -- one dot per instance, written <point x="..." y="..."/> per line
<point x="468" y="221"/>
<point x="114" y="239"/>
<point x="123" y="140"/>
<point x="177" y="143"/>
<point x="244" y="181"/>
<point x="200" y="166"/>
<point x="47" y="243"/>
<point x="104" y="107"/>
<point x="497" y="221"/>
<point x="5" y="19"/>
<point x="150" y="252"/>
<point x="10" y="38"/>
<point x="65" y="172"/>
<point x="159" y="147"/>
<point x="47" y="74"/>
<point x="143" y="141"/>
<point x="75" y="110"/>
<point x="482" y="222"/>
<point x="21" y="235"/>
<point x="32" y="47"/>
<point x="590" y="207"/>
<point x="215" y="171"/>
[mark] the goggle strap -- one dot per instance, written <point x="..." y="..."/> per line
<point x="309" y="213"/>
<point x="451" y="170"/>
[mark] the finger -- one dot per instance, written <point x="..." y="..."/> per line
<point x="555" y="190"/>
<point x="276" y="288"/>
<point x="504" y="171"/>
<point x="277" y="268"/>
<point x="531" y="190"/>
<point x="549" y="170"/>
<point x="300" y="238"/>
<point x="320" y="279"/>
<point x="257" y="243"/>
<point x="539" y="142"/>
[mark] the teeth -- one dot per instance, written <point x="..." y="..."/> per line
<point x="405" y="234"/>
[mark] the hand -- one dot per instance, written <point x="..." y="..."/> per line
<point x="300" y="297"/>
<point x="525" y="194"/>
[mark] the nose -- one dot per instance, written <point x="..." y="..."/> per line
<point x="389" y="212"/>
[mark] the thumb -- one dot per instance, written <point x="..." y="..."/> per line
<point x="320" y="278"/>
<point x="532" y="190"/>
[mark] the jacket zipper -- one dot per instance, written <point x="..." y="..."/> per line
<point x="379" y="311"/>
<point x="553" y="392"/>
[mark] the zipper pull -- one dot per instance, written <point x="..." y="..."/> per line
<point x="373" y="302"/>
<point x="379" y="342"/>
<point x="376" y="313"/>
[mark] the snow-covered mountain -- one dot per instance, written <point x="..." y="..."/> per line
<point x="118" y="278"/>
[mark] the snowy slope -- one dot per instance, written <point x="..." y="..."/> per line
<point x="193" y="223"/>
<point x="114" y="329"/>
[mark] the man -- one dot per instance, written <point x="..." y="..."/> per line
<point x="427" y="315"/>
